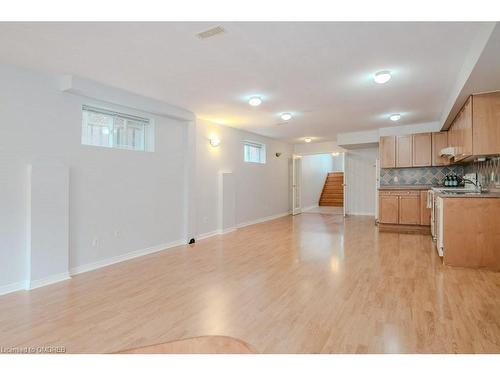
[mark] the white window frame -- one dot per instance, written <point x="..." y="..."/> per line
<point x="262" y="152"/>
<point x="147" y="144"/>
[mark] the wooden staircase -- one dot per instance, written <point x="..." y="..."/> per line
<point x="333" y="191"/>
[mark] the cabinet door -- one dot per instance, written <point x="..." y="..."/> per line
<point x="464" y="131"/>
<point x="439" y="141"/>
<point x="409" y="208"/>
<point x="425" y="213"/>
<point x="486" y="120"/>
<point x="452" y="135"/>
<point x="422" y="149"/>
<point x="388" y="209"/>
<point x="387" y="151"/>
<point x="404" y="153"/>
<point x="467" y="128"/>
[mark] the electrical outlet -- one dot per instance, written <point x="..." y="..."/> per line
<point x="396" y="179"/>
<point x="95" y="242"/>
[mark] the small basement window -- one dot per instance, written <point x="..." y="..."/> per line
<point x="254" y="152"/>
<point x="105" y="128"/>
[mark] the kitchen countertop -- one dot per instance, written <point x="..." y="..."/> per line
<point x="406" y="187"/>
<point x="471" y="195"/>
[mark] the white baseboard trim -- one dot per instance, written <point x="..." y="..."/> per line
<point x="241" y="225"/>
<point x="52" y="279"/>
<point x="361" y="213"/>
<point x="208" y="234"/>
<point x="14" y="287"/>
<point x="121" y="258"/>
<point x="261" y="220"/>
<point x="214" y="233"/>
<point x="310" y="207"/>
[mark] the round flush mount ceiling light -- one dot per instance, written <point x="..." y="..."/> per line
<point x="382" y="77"/>
<point x="255" y="101"/>
<point x="307" y="140"/>
<point x="335" y="153"/>
<point x="286" y="116"/>
<point x="395" y="117"/>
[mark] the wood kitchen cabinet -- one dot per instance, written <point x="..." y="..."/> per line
<point x="460" y="132"/>
<point x="387" y="152"/>
<point x="409" y="208"/>
<point x="439" y="141"/>
<point x="486" y="124"/>
<point x="425" y="213"/>
<point x="388" y="208"/>
<point x="402" y="208"/>
<point x="404" y="151"/>
<point x="422" y="150"/>
<point x="471" y="232"/>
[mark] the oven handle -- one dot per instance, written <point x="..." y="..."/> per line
<point x="429" y="198"/>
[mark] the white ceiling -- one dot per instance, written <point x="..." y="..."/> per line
<point x="321" y="72"/>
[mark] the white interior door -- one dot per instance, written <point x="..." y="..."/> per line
<point x="296" y="178"/>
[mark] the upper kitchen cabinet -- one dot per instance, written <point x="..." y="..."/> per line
<point x="422" y="153"/>
<point x="460" y="132"/>
<point x="404" y="154"/>
<point x="486" y="124"/>
<point x="439" y="141"/>
<point x="387" y="150"/>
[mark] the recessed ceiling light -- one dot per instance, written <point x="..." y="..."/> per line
<point x="382" y="76"/>
<point x="307" y="140"/>
<point x="286" y="116"/>
<point x="255" y="101"/>
<point x="395" y="117"/>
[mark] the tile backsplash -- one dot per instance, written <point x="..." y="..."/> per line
<point x="418" y="176"/>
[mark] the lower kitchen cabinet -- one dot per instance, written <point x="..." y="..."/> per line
<point x="403" y="209"/>
<point x="409" y="208"/>
<point x="388" y="209"/>
<point x="425" y="213"/>
<point x="471" y="232"/>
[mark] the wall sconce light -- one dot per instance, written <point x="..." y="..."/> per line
<point x="335" y="153"/>
<point x="278" y="154"/>
<point x="214" y="141"/>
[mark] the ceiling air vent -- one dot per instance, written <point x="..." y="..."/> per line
<point x="211" y="32"/>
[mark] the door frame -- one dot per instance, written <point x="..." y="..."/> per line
<point x="296" y="182"/>
<point x="344" y="184"/>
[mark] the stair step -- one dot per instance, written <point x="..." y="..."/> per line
<point x="333" y="191"/>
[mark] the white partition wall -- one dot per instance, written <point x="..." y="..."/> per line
<point x="228" y="201"/>
<point x="47" y="223"/>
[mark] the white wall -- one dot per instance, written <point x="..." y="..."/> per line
<point x="316" y="148"/>
<point x="122" y="202"/>
<point x="262" y="190"/>
<point x="338" y="162"/>
<point x="126" y="200"/>
<point x="370" y="138"/>
<point x="315" y="168"/>
<point x="360" y="180"/>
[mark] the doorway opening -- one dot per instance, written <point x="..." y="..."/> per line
<point x="319" y="183"/>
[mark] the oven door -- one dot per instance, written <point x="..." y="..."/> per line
<point x="431" y="203"/>
<point x="439" y="226"/>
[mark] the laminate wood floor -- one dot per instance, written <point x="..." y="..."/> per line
<point x="306" y="284"/>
